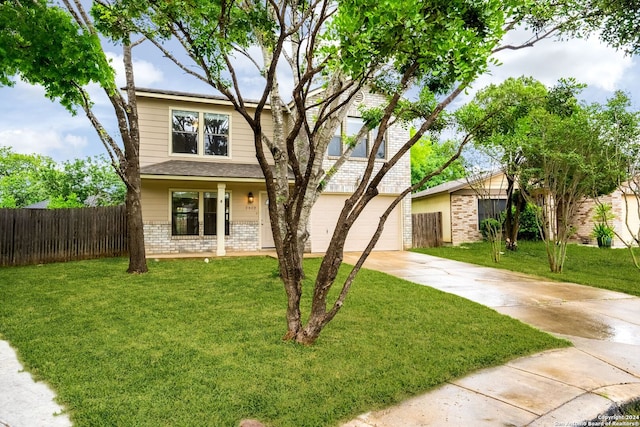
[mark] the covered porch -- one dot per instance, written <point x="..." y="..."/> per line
<point x="204" y="208"/>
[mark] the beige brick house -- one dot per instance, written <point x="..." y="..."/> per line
<point x="196" y="150"/>
<point x="464" y="204"/>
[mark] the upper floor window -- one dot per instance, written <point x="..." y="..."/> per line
<point x="382" y="149"/>
<point x="184" y="138"/>
<point x="335" y="145"/>
<point x="196" y="132"/>
<point x="350" y="128"/>
<point x="216" y="134"/>
<point x="353" y="126"/>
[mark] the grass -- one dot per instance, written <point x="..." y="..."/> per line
<point x="192" y="344"/>
<point x="632" y="411"/>
<point x="602" y="268"/>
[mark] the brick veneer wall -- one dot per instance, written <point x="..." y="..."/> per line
<point x="407" y="229"/>
<point x="243" y="236"/>
<point x="583" y="220"/>
<point x="464" y="219"/>
<point x="396" y="180"/>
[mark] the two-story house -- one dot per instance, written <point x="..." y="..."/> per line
<point x="196" y="150"/>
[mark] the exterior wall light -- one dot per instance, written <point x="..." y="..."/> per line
<point x="250" y="198"/>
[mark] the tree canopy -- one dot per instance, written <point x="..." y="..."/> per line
<point x="57" y="45"/>
<point x="43" y="45"/>
<point x="556" y="150"/>
<point x="496" y="113"/>
<point x="21" y="181"/>
<point x="427" y="155"/>
<point x="27" y="179"/>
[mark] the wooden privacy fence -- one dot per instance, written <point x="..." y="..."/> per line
<point x="35" y="236"/>
<point x="427" y="230"/>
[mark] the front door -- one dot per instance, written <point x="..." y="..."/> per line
<point x="266" y="235"/>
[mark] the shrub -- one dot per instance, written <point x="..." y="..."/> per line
<point x="488" y="228"/>
<point x="529" y="224"/>
<point x="602" y="231"/>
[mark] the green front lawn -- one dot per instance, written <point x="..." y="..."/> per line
<point x="602" y="268"/>
<point x="193" y="344"/>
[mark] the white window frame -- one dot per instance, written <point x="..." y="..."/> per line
<point x="370" y="135"/>
<point x="200" y="192"/>
<point x="201" y="133"/>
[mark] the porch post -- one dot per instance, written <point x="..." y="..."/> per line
<point x="220" y="214"/>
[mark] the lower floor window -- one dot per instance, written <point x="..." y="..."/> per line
<point x="490" y="208"/>
<point x="191" y="208"/>
<point x="211" y="213"/>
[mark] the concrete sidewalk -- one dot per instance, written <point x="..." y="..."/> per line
<point x="554" y="388"/>
<point x="23" y="402"/>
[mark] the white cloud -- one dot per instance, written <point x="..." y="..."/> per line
<point x="588" y="61"/>
<point x="58" y="145"/>
<point x="146" y="74"/>
<point x="32" y="124"/>
<point x="27" y="90"/>
<point x="242" y="64"/>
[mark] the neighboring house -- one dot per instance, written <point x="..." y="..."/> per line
<point x="44" y="204"/>
<point x="203" y="190"/>
<point x="92" y="201"/>
<point x="464" y="203"/>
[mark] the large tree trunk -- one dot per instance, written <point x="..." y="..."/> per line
<point x="515" y="205"/>
<point x="135" y="226"/>
<point x="291" y="272"/>
<point x="318" y="316"/>
<point x="130" y="131"/>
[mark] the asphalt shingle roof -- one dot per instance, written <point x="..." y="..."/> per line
<point x="451" y="186"/>
<point x="446" y="187"/>
<point x="203" y="169"/>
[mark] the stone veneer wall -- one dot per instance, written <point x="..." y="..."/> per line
<point x="464" y="219"/>
<point x="243" y="236"/>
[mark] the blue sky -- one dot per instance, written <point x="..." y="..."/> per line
<point x="30" y="123"/>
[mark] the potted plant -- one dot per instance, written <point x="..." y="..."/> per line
<point x="603" y="234"/>
<point x="602" y="231"/>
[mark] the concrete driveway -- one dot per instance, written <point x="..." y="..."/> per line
<point x="553" y="388"/>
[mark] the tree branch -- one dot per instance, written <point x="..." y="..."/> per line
<point x="113" y="150"/>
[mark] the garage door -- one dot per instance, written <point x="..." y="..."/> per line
<point x="325" y="214"/>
